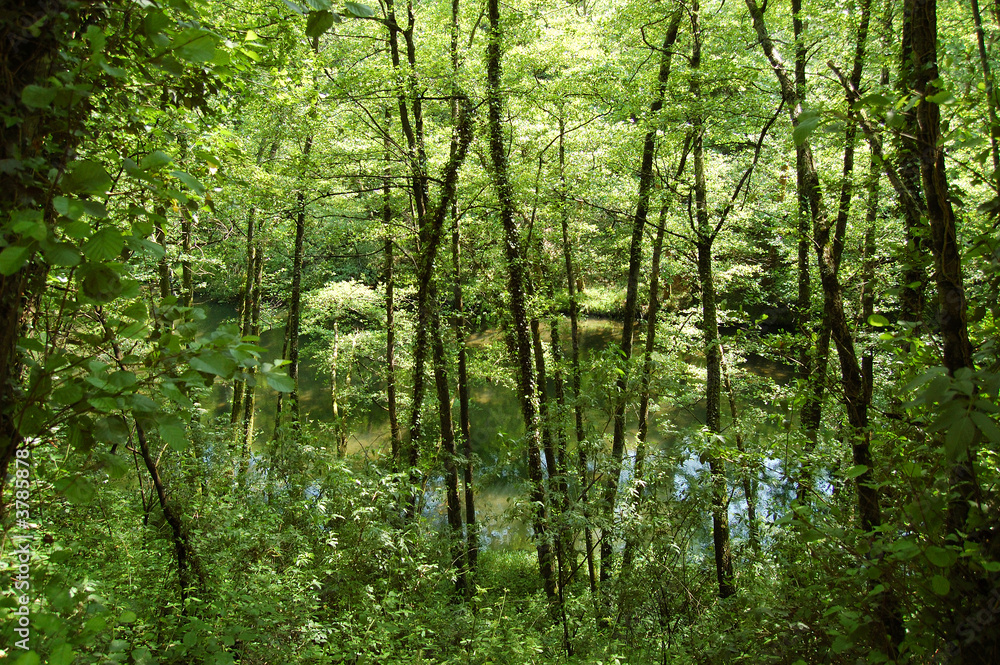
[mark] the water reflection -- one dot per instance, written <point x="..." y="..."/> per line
<point x="496" y="423"/>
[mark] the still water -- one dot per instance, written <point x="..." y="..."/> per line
<point x="494" y="412"/>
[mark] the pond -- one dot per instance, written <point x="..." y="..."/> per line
<point x="494" y="414"/>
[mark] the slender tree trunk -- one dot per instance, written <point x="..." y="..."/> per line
<point x="452" y="503"/>
<point x="431" y="232"/>
<point x="804" y="299"/>
<point x="868" y="273"/>
<point x="991" y="99"/>
<point x="516" y="289"/>
<point x="632" y="297"/>
<point x="628" y="553"/>
<point x="969" y="589"/>
<point x="458" y="324"/>
<point x="710" y="326"/>
<point x="245" y="311"/>
<point x="912" y="298"/>
<point x="294" y="305"/>
<point x="888" y="615"/>
<point x="240" y="388"/>
<point x="187" y="273"/>
<point x="747" y="471"/>
<point x="575" y="372"/>
<point x="390" y="304"/>
<point x="813" y="359"/>
<point x="250" y="389"/>
<point x="163" y="265"/>
<point x="471" y="528"/>
<point x="190" y="576"/>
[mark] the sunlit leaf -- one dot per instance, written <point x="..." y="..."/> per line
<point x="808" y="121"/>
<point x="358" y="9"/>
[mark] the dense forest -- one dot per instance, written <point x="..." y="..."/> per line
<point x="586" y="331"/>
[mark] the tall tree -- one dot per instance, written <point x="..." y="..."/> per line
<point x="632" y="293"/>
<point x="516" y="278"/>
<point x="890" y="623"/>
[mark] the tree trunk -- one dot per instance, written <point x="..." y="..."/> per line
<point x="34" y="143"/>
<point x="887" y="612"/>
<point x="294" y="305"/>
<point x="912" y="298"/>
<point x="710" y="326"/>
<point x="970" y="590"/>
<point x="516" y="289"/>
<point x="632" y="297"/>
<point x="991" y="99"/>
<point x="576" y="374"/>
<point x="452" y="504"/>
<point x="187" y="272"/>
<point x="246" y="431"/>
<point x="390" y="305"/>
<point x="747" y="471"/>
<point x="644" y="383"/>
<point x="471" y="528"/>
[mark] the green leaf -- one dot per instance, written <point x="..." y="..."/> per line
<point x="958" y="437"/>
<point x="319" y="4"/>
<point x="62" y="655"/>
<point x="873" y="100"/>
<point x="29" y="223"/>
<point x="111" y="429"/>
<point x="142" y="656"/>
<point x="941" y="556"/>
<point x="77" y="489"/>
<point x="808" y="121"/>
<point x="295" y="7"/>
<point x="62" y="254"/>
<point x="13" y="258"/>
<point x="137" y="311"/>
<point x="155" y="160"/>
<point x="318" y="23"/>
<point x="71" y="208"/>
<point x="280" y="382"/>
<point x="172" y="431"/>
<point x="37" y="97"/>
<point x="986" y="425"/>
<point x="86" y="176"/>
<point x="878" y="321"/>
<point x="101" y="284"/>
<point x="104" y="245"/>
<point x="143" y="404"/>
<point x="195" y="46"/>
<point x="213" y="362"/>
<point x="111" y="70"/>
<point x="857" y="470"/>
<point x="943" y="97"/>
<point x="114" y="465"/>
<point x="189" y="180"/>
<point x="128" y="616"/>
<point x="71" y="393"/>
<point x="28" y="658"/>
<point x="358" y="10"/>
<point x="941" y="585"/>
